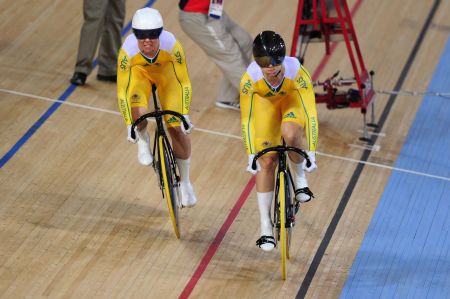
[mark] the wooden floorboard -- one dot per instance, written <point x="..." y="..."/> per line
<point x="80" y="218"/>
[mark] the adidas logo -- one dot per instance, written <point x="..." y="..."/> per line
<point x="172" y="120"/>
<point x="289" y="115"/>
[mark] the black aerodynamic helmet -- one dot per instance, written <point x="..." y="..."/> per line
<point x="269" y="49"/>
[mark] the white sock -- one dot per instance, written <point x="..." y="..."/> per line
<point x="188" y="198"/>
<point x="184" y="166"/>
<point x="299" y="174"/>
<point x="264" y="204"/>
<point x="299" y="180"/>
<point x="144" y="155"/>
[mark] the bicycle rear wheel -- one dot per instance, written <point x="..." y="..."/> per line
<point x="170" y="184"/>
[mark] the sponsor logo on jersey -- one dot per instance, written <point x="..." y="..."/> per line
<point x="135" y="98"/>
<point x="124" y="109"/>
<point x="187" y="98"/>
<point x="172" y="120"/>
<point x="247" y="85"/>
<point x="266" y="143"/>
<point x="269" y="94"/>
<point x="178" y="57"/>
<point x="314" y="130"/>
<point x="302" y="83"/>
<point x="289" y="115"/>
<point x="244" y="136"/>
<point x="123" y="63"/>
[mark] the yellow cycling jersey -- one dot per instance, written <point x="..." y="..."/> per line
<point x="264" y="107"/>
<point x="168" y="70"/>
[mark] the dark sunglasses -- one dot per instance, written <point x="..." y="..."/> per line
<point x="266" y="61"/>
<point x="150" y="34"/>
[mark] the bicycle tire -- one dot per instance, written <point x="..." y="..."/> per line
<point x="289" y="212"/>
<point x="276" y="211"/>
<point x="169" y="186"/>
<point x="283" y="235"/>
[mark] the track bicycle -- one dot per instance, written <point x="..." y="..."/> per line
<point x="164" y="162"/>
<point x="285" y="206"/>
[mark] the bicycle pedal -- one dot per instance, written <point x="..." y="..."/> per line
<point x="289" y="225"/>
<point x="304" y="191"/>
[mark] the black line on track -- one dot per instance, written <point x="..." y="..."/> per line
<point x="365" y="156"/>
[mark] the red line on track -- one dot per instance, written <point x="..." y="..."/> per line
<point x="218" y="239"/>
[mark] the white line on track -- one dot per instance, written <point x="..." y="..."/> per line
<point x="226" y="135"/>
<point x="375" y="148"/>
<point x="373" y="133"/>
<point x="386" y="167"/>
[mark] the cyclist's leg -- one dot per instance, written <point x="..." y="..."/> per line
<point x="181" y="143"/>
<point x="266" y="242"/>
<point x="139" y="91"/>
<point x="182" y="150"/>
<point x="264" y="194"/>
<point x="267" y="134"/>
<point x="291" y="131"/>
<point x="170" y="95"/>
<point x="143" y="139"/>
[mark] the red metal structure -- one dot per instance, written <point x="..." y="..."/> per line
<point x="313" y="23"/>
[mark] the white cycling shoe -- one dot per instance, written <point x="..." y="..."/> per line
<point x="266" y="243"/>
<point x="302" y="193"/>
<point x="144" y="155"/>
<point x="188" y="198"/>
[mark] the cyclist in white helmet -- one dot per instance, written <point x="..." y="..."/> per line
<point x="149" y="56"/>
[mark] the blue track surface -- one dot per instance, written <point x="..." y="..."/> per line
<point x="406" y="250"/>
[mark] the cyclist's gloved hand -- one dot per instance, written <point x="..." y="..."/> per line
<point x="312" y="158"/>
<point x="191" y="126"/>
<point x="250" y="162"/>
<point x="129" y="135"/>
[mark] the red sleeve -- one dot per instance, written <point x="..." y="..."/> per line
<point x="201" y="6"/>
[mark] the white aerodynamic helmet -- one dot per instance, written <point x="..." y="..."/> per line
<point x="147" y="23"/>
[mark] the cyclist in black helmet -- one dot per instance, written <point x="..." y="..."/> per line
<point x="277" y="100"/>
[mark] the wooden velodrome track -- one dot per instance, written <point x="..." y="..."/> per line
<point x="80" y="218"/>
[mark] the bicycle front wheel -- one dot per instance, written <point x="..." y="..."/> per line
<point x="289" y="211"/>
<point x="283" y="233"/>
<point x="170" y="184"/>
